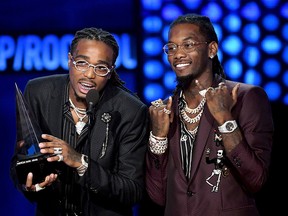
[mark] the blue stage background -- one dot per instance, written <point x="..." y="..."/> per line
<point x="21" y="20"/>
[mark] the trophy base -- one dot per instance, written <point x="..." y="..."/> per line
<point x="38" y="165"/>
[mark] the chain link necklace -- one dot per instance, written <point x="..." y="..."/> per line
<point x="199" y="109"/>
<point x="191" y="120"/>
<point x="81" y="114"/>
<point x="195" y="110"/>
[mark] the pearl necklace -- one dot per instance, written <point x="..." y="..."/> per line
<point x="79" y="111"/>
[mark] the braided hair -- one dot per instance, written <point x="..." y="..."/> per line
<point x="207" y="30"/>
<point x="100" y="35"/>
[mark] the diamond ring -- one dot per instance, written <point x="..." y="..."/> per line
<point x="60" y="157"/>
<point x="57" y="151"/>
<point x="38" y="188"/>
<point x="204" y="91"/>
<point x="167" y="111"/>
<point x="157" y="103"/>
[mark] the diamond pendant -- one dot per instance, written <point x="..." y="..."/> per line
<point x="79" y="126"/>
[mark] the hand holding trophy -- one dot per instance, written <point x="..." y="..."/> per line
<point x="29" y="158"/>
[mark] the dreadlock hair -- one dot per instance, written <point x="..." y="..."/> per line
<point x="207" y="30"/>
<point x="98" y="34"/>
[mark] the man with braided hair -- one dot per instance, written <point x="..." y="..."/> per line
<point x="101" y="162"/>
<point x="207" y="114"/>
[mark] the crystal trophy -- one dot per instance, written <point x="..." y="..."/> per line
<point x="29" y="157"/>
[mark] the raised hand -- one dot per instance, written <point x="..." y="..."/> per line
<point x="161" y="116"/>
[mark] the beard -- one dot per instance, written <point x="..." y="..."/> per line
<point x="184" y="82"/>
<point x="78" y="98"/>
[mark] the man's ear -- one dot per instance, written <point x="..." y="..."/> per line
<point x="213" y="49"/>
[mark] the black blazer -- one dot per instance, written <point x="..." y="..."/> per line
<point x="117" y="178"/>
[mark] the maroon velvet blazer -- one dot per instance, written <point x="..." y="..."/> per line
<point x="244" y="173"/>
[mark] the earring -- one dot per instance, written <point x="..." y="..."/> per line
<point x="211" y="57"/>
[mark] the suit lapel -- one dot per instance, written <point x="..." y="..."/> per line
<point x="205" y="134"/>
<point x="99" y="130"/>
<point x="56" y="109"/>
<point x="174" y="134"/>
<point x="205" y="129"/>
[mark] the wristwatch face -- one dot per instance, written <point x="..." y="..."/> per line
<point x="229" y="126"/>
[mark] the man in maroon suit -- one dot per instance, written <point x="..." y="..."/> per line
<point x="207" y="115"/>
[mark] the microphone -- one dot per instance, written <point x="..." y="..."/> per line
<point x="92" y="98"/>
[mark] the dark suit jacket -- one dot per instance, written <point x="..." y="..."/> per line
<point x="117" y="179"/>
<point x="244" y="173"/>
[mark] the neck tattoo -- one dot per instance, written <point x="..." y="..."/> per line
<point x="81" y="114"/>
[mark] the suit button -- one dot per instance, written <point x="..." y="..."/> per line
<point x="190" y="193"/>
<point x="95" y="190"/>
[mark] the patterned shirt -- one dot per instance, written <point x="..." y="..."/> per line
<point x="71" y="193"/>
<point x="186" y="143"/>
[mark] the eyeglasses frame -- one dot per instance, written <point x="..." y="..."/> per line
<point x="91" y="65"/>
<point x="195" y="43"/>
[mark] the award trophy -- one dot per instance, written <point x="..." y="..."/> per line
<point x="29" y="157"/>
